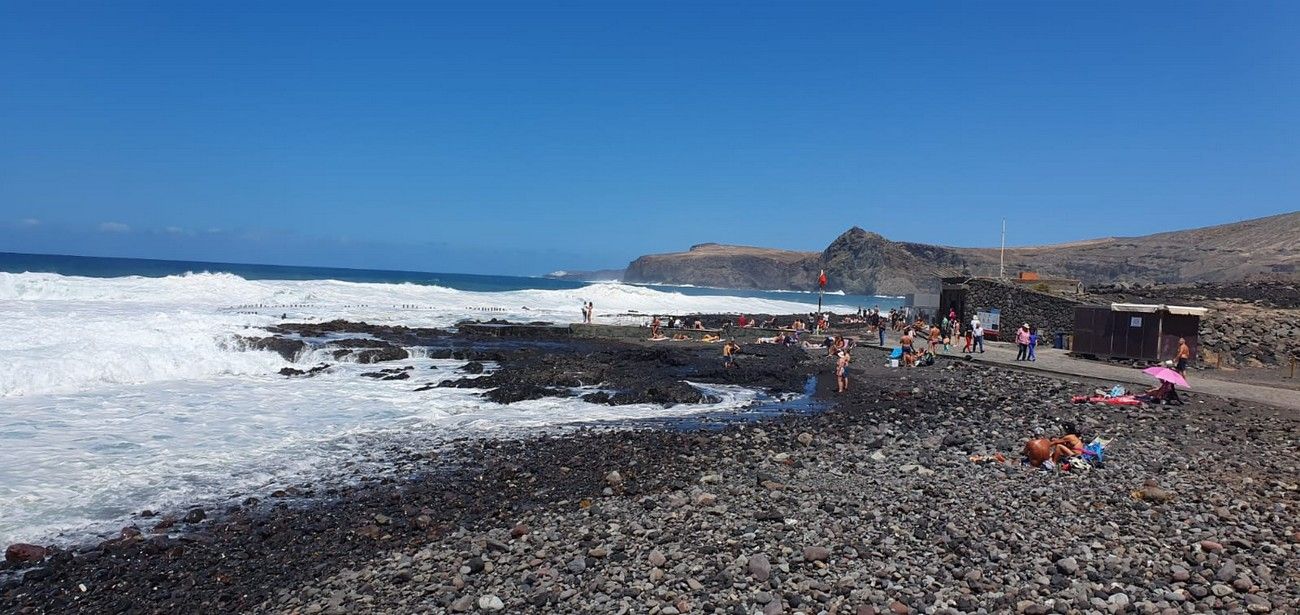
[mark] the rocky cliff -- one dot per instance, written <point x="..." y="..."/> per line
<point x="859" y="261"/>
<point x="723" y="266"/>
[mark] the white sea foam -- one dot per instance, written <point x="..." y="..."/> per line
<point x="82" y="462"/>
<point x="64" y="334"/>
<point x="124" y="393"/>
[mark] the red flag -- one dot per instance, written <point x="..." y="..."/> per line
<point x="821" y="280"/>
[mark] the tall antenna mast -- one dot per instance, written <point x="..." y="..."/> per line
<point x="1002" y="257"/>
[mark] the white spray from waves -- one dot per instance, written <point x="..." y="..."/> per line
<point x="64" y="334"/>
<point x="72" y="465"/>
<point x="118" y="394"/>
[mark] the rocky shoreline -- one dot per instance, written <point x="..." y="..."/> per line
<point x="869" y="506"/>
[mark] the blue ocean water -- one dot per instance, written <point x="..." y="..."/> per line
<point x="108" y="267"/>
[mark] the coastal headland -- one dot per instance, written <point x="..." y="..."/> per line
<point x="859" y="261"/>
<point x="814" y="502"/>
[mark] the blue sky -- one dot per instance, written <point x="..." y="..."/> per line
<point x="523" y="137"/>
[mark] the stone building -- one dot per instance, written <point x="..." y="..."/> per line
<point x="1016" y="301"/>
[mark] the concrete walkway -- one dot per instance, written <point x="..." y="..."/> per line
<point x="1056" y="361"/>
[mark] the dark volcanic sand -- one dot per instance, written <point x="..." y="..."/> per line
<point x="870" y="505"/>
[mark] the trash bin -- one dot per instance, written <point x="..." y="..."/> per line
<point x="1060" y="340"/>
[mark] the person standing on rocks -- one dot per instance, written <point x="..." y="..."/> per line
<point x="729" y="351"/>
<point x="841" y="372"/>
<point x="880" y="329"/>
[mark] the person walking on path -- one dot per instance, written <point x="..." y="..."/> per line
<point x="1033" y="343"/>
<point x="1184" y="354"/>
<point x="978" y="330"/>
<point x="1022" y="342"/>
<point x="970" y="339"/>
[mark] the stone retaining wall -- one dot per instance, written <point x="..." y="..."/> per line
<point x="1050" y="313"/>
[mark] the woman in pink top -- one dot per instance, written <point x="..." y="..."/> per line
<point x="1022" y="340"/>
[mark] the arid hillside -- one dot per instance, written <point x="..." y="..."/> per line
<point x="863" y="262"/>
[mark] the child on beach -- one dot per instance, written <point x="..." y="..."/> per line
<point x="1033" y="343"/>
<point x="729" y="353"/>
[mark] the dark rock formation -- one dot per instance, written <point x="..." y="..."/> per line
<point x="291" y="372"/>
<point x="862" y="262"/>
<point x="22" y="553"/>
<point x="287" y="348"/>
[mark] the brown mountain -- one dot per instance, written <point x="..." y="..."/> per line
<point x="859" y="261"/>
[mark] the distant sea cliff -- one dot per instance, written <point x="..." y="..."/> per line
<point x="862" y="262"/>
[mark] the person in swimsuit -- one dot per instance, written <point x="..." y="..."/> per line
<point x="729" y="353"/>
<point x="1184" y="354"/>
<point x="841" y="372"/>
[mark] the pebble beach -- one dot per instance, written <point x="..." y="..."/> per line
<point x="869" y="504"/>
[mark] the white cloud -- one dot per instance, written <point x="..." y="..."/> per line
<point x="175" y="230"/>
<point x="114" y="227"/>
<point x="29" y="222"/>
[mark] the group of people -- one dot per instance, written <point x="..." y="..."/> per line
<point x="588" y="308"/>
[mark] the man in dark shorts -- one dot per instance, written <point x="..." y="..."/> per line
<point x="1184" y="353"/>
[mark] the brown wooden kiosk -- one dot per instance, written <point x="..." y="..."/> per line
<point x="1135" y="330"/>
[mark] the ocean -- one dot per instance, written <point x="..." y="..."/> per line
<point x="123" y="386"/>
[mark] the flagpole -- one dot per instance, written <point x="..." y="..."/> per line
<point x="821" y="288"/>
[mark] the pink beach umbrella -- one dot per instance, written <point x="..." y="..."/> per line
<point x="1167" y="375"/>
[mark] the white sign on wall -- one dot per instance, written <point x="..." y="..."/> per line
<point x="990" y="319"/>
<point x="1135" y="321"/>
